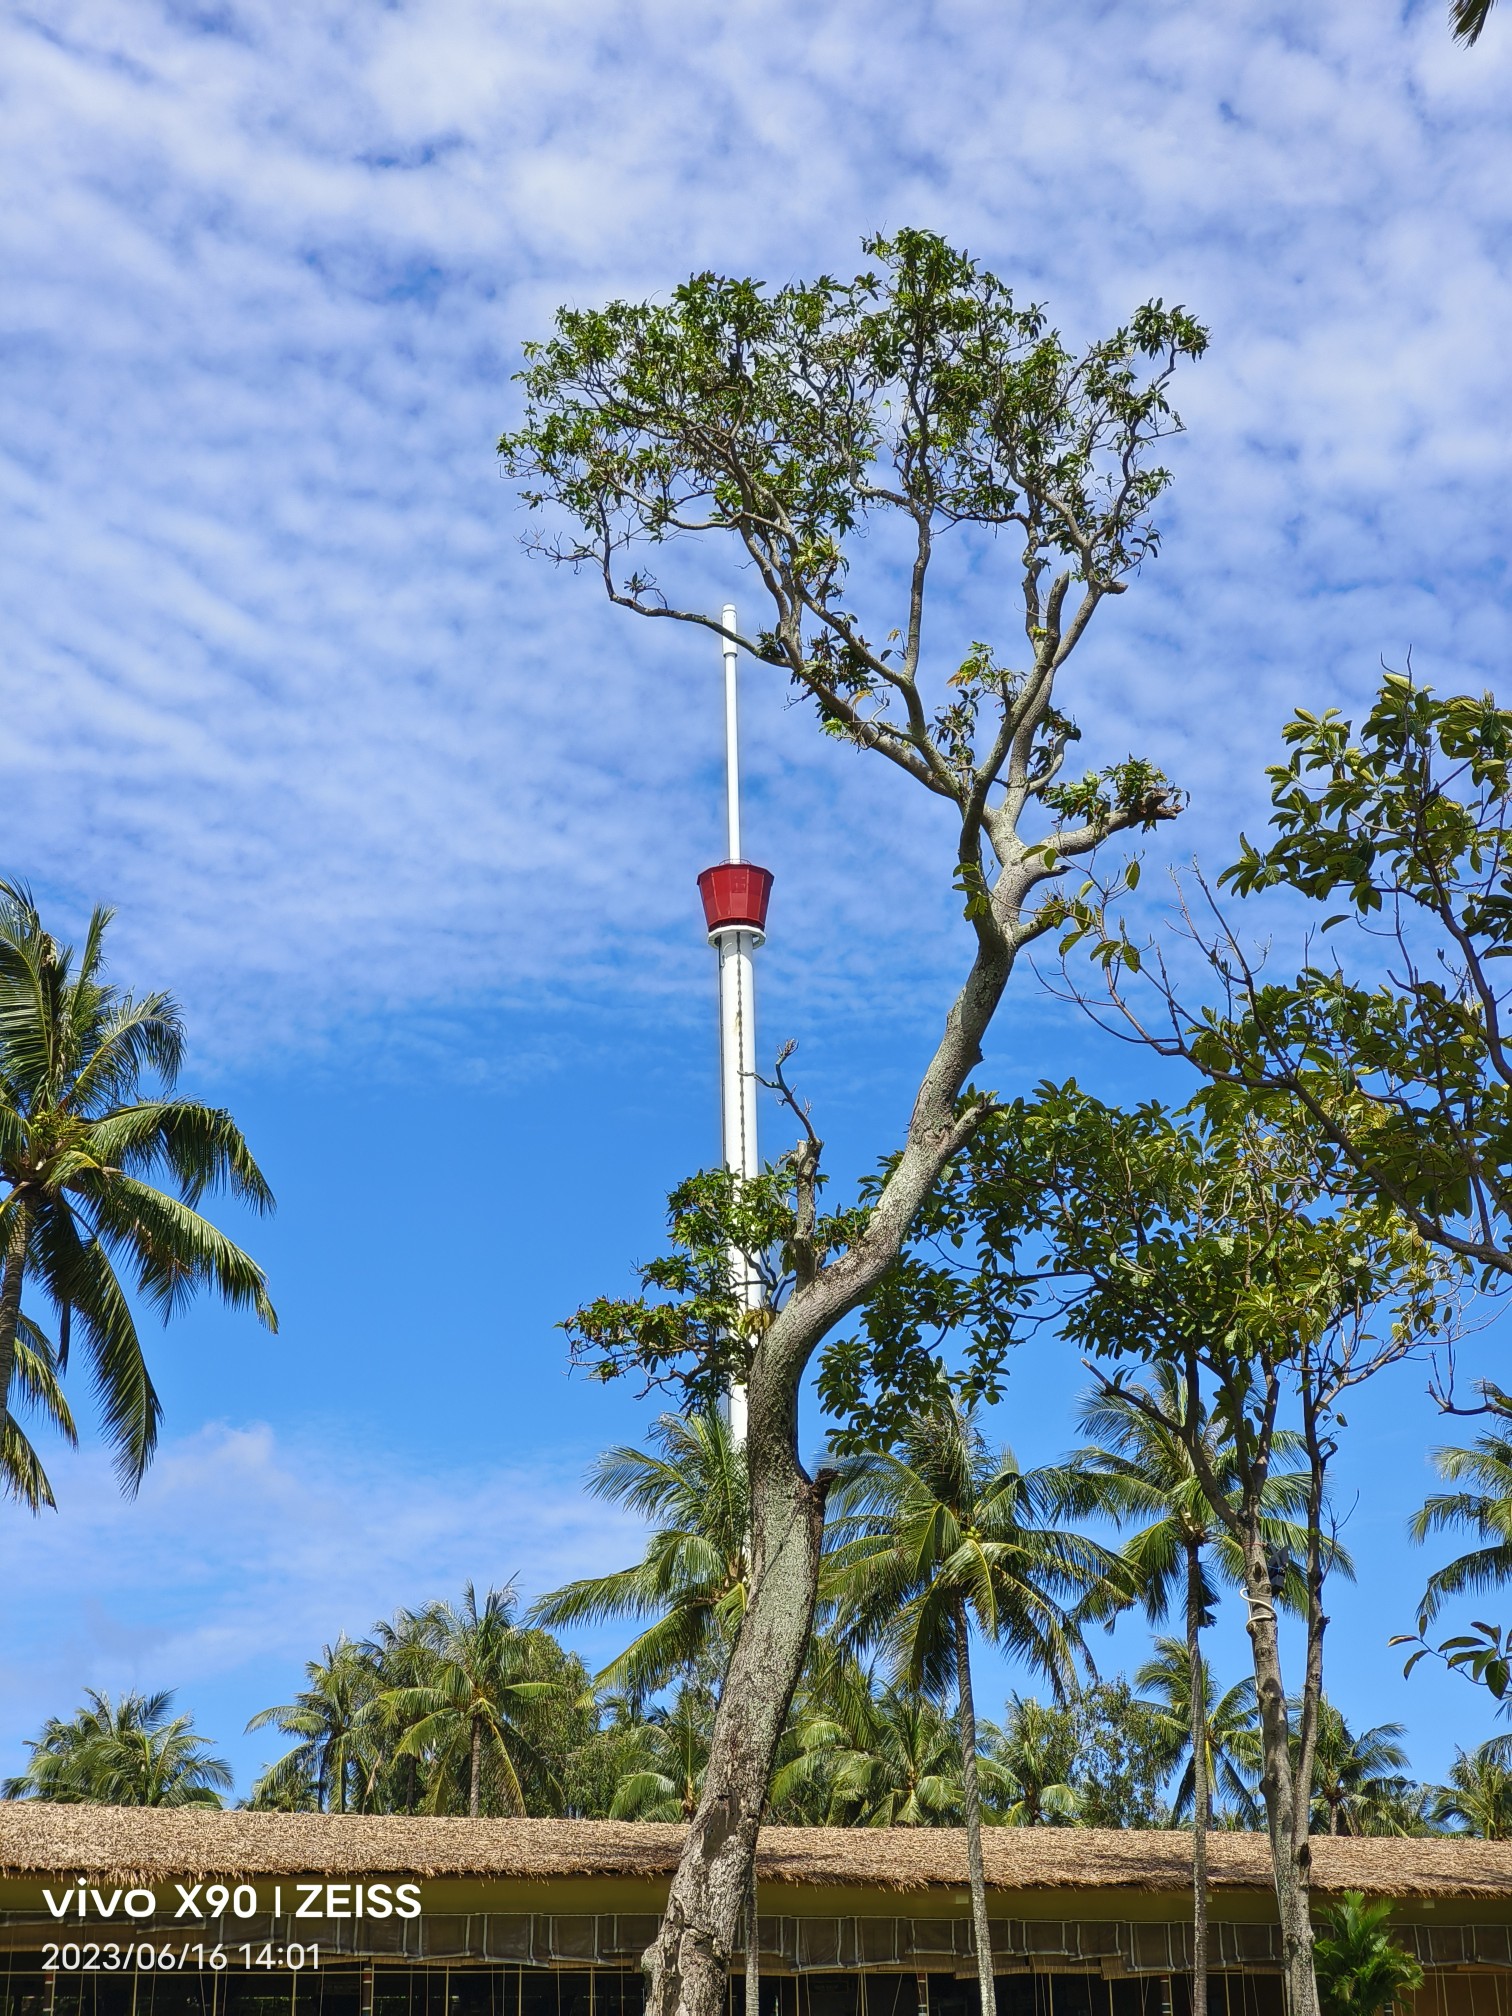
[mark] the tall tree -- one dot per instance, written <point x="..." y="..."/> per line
<point x="691" y="1582"/>
<point x="1354" y="1775"/>
<point x="799" y="430"/>
<point x="664" y="1782"/>
<point x="1478" y="1797"/>
<point x="1122" y="1756"/>
<point x="946" y="1531"/>
<point x="1142" y="1470"/>
<point x="876" y="1757"/>
<point x="1213" y="1737"/>
<point x="80" y="1145"/>
<point x="618" y="1745"/>
<point x="398" y="1652"/>
<point x="1218" y="1248"/>
<point x="333" y="1717"/>
<point x="474" y="1709"/>
<point x="126" y="1752"/>
<point x="1032" y="1760"/>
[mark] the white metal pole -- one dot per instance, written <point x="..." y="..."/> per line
<point x="737" y="1017"/>
<point x="732" y="735"/>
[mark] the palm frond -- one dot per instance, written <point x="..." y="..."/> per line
<point x="1468" y="19"/>
<point x="34" y="1374"/>
<point x="79" y="1272"/>
<point x="21" y="1473"/>
<point x="201" y="1147"/>
<point x="122" y="1040"/>
<point x="175" y="1250"/>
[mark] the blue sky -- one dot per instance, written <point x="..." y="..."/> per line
<point x="411" y="823"/>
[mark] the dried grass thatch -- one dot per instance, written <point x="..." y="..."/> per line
<point x="118" y="1843"/>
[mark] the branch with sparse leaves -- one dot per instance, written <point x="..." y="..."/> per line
<point x="1405" y="1072"/>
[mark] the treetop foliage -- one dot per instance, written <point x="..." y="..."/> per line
<point x="798" y="421"/>
<point x="792" y="417"/>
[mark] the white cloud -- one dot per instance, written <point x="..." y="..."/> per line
<point x="278" y="681"/>
<point x="246" y="1552"/>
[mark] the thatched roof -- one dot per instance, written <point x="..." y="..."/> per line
<point x="41" y="1841"/>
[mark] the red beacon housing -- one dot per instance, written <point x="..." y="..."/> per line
<point x="735" y="896"/>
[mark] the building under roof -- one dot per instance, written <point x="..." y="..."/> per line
<point x="110" y="1911"/>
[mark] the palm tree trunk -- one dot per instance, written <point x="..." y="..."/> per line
<point x="10" y="1307"/>
<point x="1201" y="1798"/>
<point x="981" y="1927"/>
<point x="475" y="1775"/>
<point x="752" y="1954"/>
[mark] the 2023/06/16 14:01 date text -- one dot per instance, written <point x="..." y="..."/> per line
<point x="146" y="1956"/>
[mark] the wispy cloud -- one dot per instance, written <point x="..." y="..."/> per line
<point x="277" y="679"/>
<point x="247" y="1551"/>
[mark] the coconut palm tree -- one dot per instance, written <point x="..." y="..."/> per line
<point x="34" y="1384"/>
<point x="619" y="1745"/>
<point x="1478" y="1798"/>
<point x="664" y="1783"/>
<point x="471" y="1715"/>
<point x="1227" y="1752"/>
<point x="123" y="1753"/>
<point x="333" y="1717"/>
<point x="901" y="1768"/>
<point x="1032" y="1762"/>
<point x="1482" y="1506"/>
<point x="398" y="1650"/>
<point x="80" y="1145"/>
<point x="946" y="1531"/>
<point x="1352" y="1775"/>
<point x="863" y="1755"/>
<point x="691" y="1581"/>
<point x="1141" y="1470"/>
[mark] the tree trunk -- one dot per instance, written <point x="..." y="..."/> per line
<point x="1285" y="1797"/>
<point x="475" y="1774"/>
<point x="753" y="1952"/>
<point x="687" y="1965"/>
<point x="701" y="1928"/>
<point x="10" y="1308"/>
<point x="980" y="1924"/>
<point x="1201" y="1800"/>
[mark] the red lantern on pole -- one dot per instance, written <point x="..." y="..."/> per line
<point x="735" y="896"/>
